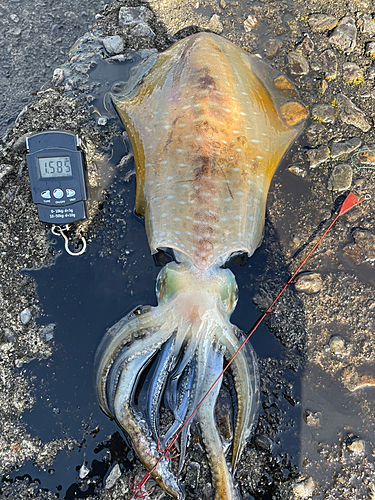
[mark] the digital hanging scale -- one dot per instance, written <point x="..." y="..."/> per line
<point x="58" y="180"/>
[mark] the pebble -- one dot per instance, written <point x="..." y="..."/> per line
<point x="340" y="178"/>
<point x="350" y="114"/>
<point x="328" y="64"/>
<point x="322" y="22"/>
<point x="250" y="23"/>
<point x="357" y="446"/>
<point x="366" y="157"/>
<point x="271" y="47"/>
<point x="353" y="381"/>
<point x="9" y="335"/>
<point x="25" y="316"/>
<point x="58" y="77"/>
<point x="113" y="476"/>
<point x="84" y="471"/>
<point x="293" y="113"/>
<point x="306" y="46"/>
<point x="14" y="18"/>
<point x="370" y="49"/>
<point x="314" y="131"/>
<point x="304" y="489"/>
<point x="102" y="121"/>
<point x="322" y="86"/>
<point x="142" y="30"/>
<point x="192" y="474"/>
<point x="297" y="170"/>
<point x="215" y="24"/>
<point x="337" y="346"/>
<point x="366" y="24"/>
<point x="345" y="147"/>
<point x="46" y="334"/>
<point x="297" y="63"/>
<point x="130" y="16"/>
<point x="344" y="37"/>
<point x="352" y="73"/>
<point x="5" y="169"/>
<point x="113" y="44"/>
<point x="323" y="113"/>
<point x="309" y="283"/>
<point x="313" y="419"/>
<point x="318" y="155"/>
<point x="263" y="442"/>
<point x="363" y="249"/>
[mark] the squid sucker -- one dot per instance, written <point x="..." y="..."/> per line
<point x="208" y="124"/>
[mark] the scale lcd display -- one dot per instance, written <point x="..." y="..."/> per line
<point x="58" y="166"/>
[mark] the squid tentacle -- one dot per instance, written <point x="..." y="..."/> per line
<point x="244" y="368"/>
<point x="139" y="432"/>
<point x="221" y="477"/>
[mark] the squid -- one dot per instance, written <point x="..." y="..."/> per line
<point x="208" y="124"/>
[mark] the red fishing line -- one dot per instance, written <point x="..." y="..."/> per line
<point x="350" y="201"/>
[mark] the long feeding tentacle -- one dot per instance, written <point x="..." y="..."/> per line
<point x="221" y="476"/>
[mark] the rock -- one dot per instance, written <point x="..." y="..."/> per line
<point x="309" y="283"/>
<point x="223" y="4"/>
<point x="313" y="419"/>
<point x="46" y="334"/>
<point x="314" y="131"/>
<point x="322" y="86"/>
<point x="293" y="113"/>
<point x="322" y="22"/>
<point x="344" y="37"/>
<point x="323" y="113"/>
<point x="14" y="18"/>
<point x="328" y="64"/>
<point x="25" y="316"/>
<point x="296" y="170"/>
<point x="102" y="121"/>
<point x="142" y="30"/>
<point x="271" y="47"/>
<point x="130" y="16"/>
<point x="340" y="178"/>
<point x="263" y="442"/>
<point x="356" y="446"/>
<point x="113" y="44"/>
<point x="58" y="77"/>
<point x="9" y="335"/>
<point x="215" y="24"/>
<point x="304" y="489"/>
<point x="306" y="46"/>
<point x="84" y="471"/>
<point x="354" y="382"/>
<point x="4" y="171"/>
<point x="370" y="49"/>
<point x="113" y="476"/>
<point x="318" y="155"/>
<point x="337" y="346"/>
<point x="366" y="157"/>
<point x="192" y="474"/>
<point x="298" y="64"/>
<point x="350" y="114"/>
<point x="352" y="73"/>
<point x="250" y="23"/>
<point x="363" y="249"/>
<point x="345" y="147"/>
<point x="366" y="24"/>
